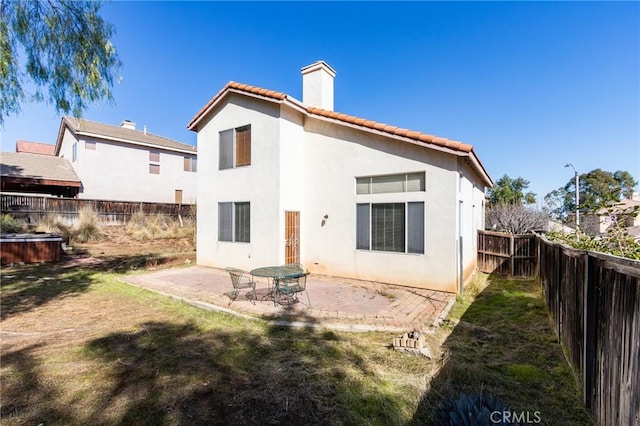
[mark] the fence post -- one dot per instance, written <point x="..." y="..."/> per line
<point x="558" y="278"/>
<point x="589" y="334"/>
<point x="512" y="253"/>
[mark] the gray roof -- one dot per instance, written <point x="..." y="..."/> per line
<point x="36" y="166"/>
<point x="80" y="126"/>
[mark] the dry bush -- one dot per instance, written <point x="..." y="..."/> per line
<point x="53" y="224"/>
<point x="145" y="227"/>
<point x="11" y="225"/>
<point x="88" y="227"/>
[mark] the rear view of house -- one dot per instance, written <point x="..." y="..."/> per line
<point x="125" y="164"/>
<point x="284" y="181"/>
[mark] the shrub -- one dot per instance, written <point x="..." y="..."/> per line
<point x="472" y="409"/>
<point x="53" y="224"/>
<point x="151" y="227"/>
<point x="88" y="227"/>
<point x="616" y="240"/>
<point x="11" y="225"/>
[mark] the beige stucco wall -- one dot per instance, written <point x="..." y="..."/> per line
<point x="471" y="219"/>
<point x="334" y="157"/>
<point x="308" y="165"/>
<point x="119" y="171"/>
<point x="257" y="183"/>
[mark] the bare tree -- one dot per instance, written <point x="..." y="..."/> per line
<point x="515" y="219"/>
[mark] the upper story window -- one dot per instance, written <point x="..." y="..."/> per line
<point x="74" y="151"/>
<point x="154" y="162"/>
<point x="90" y="145"/>
<point x="235" y="147"/>
<point x="190" y="164"/>
<point x="154" y="156"/>
<point x="405" y="182"/>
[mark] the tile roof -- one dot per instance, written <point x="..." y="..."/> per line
<point x="35" y="147"/>
<point x="626" y="205"/>
<point x="239" y="87"/>
<point x="107" y="131"/>
<point x="350" y="119"/>
<point x="385" y="128"/>
<point x="368" y="125"/>
<point x="36" y="166"/>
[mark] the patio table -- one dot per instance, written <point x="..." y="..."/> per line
<point x="276" y="273"/>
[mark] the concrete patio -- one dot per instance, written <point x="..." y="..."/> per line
<point x="336" y="303"/>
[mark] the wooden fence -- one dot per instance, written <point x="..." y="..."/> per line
<point x="594" y="301"/>
<point x="507" y="254"/>
<point x="34" y="208"/>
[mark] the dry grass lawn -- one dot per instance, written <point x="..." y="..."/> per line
<point x="80" y="347"/>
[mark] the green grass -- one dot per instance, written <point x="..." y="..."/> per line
<point x="89" y="349"/>
<point x="501" y="342"/>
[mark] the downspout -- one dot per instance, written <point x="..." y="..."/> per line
<point x="460" y="247"/>
<point x="459" y="244"/>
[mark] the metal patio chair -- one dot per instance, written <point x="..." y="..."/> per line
<point x="290" y="287"/>
<point x="242" y="281"/>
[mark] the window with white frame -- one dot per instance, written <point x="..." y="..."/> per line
<point x="235" y="148"/>
<point x="404" y="182"/>
<point x="74" y="151"/>
<point x="234" y="222"/>
<point x="394" y="227"/>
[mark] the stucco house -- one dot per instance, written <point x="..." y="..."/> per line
<point x="599" y="222"/>
<point x="284" y="181"/>
<point x="125" y="164"/>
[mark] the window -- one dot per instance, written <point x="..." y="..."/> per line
<point x="74" y="151"/>
<point x="235" y="148"/>
<point x="406" y="182"/>
<point x="190" y="164"/>
<point x="395" y="227"/>
<point x="234" y="222"/>
<point x="154" y="162"/>
<point x="90" y="145"/>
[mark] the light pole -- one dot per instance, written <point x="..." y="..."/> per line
<point x="577" y="193"/>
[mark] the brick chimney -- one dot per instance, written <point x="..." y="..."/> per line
<point x="317" y="85"/>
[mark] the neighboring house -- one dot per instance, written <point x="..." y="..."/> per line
<point x="553" y="226"/>
<point x="124" y="164"/>
<point x="35" y="148"/>
<point x="284" y="181"/>
<point x="38" y="173"/>
<point x="599" y="222"/>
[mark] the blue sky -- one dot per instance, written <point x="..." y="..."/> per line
<point x="532" y="85"/>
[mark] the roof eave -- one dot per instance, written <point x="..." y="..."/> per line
<point x="63" y="122"/>
<point x="480" y="169"/>
<point x="133" y="142"/>
<point x="388" y="135"/>
<point x="228" y="89"/>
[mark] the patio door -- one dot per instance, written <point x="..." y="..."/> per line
<point x="291" y="237"/>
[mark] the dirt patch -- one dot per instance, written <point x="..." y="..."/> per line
<point x="116" y="242"/>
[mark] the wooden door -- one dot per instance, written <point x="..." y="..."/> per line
<point x="291" y="237"/>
